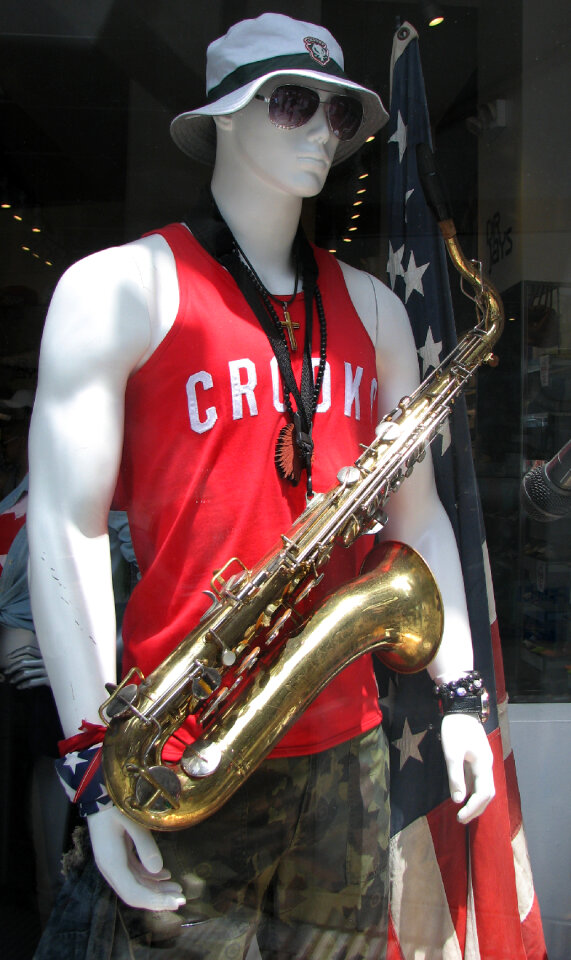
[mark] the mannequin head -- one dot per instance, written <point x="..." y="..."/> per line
<point x="252" y="149"/>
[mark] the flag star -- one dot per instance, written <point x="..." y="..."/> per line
<point x="387" y="703"/>
<point x="394" y="264"/>
<point x="408" y="744"/>
<point x="399" y="136"/>
<point x="413" y="277"/>
<point x="408" y="195"/>
<point x="430" y="353"/>
<point x="446" y="437"/>
<point x="73" y="760"/>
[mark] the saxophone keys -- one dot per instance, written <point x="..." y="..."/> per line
<point x="347" y="476"/>
<point x="278" y="625"/>
<point x="157" y="788"/>
<point x="244" y="644"/>
<point x="227" y="655"/>
<point x="216" y="703"/>
<point x="121" y="699"/>
<point x="309" y="587"/>
<point x="350" y="532"/>
<point x="410" y="465"/>
<point x="206" y="683"/>
<point x="200" y="759"/>
<point x="265" y="618"/>
<point x="249" y="661"/>
<point x="387" y="430"/>
<point x="214" y="604"/>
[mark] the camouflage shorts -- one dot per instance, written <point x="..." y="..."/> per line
<point x="294" y="866"/>
<point x="297" y="859"/>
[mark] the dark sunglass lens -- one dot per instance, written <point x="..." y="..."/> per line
<point x="345" y="116"/>
<point x="292" y="106"/>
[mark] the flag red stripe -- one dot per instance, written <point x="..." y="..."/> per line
<point x="449" y="839"/>
<point x="498" y="662"/>
<point x="393" y="949"/>
<point x="532" y="931"/>
<point x="493" y="873"/>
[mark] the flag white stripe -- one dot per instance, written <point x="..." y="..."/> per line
<point x="472" y="951"/>
<point x="503" y="722"/>
<point x="523" y="875"/>
<point x="489" y="583"/>
<point x="419" y="906"/>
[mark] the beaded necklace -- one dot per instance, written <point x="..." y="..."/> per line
<point x="294" y="445"/>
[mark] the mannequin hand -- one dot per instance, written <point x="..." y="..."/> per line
<point x="26" y="668"/>
<point x="129" y="859"/>
<point x="469" y="763"/>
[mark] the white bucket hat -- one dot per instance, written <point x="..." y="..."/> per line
<point x="253" y="51"/>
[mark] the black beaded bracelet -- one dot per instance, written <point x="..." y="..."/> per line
<point x="465" y="695"/>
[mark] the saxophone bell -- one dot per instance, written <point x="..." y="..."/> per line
<point x="393" y="607"/>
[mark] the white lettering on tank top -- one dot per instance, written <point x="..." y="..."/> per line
<point x="198" y="425"/>
<point x="325" y="394"/>
<point x="243" y="385"/>
<point x="325" y="402"/>
<point x="276" y="386"/>
<point x="374" y="391"/>
<point x="352" y="385"/>
<point x="241" y="390"/>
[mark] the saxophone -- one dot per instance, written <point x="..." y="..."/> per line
<point x="239" y="672"/>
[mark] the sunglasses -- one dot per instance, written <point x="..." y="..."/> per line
<point x="291" y="106"/>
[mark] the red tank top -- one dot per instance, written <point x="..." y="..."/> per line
<point x="11" y="521"/>
<point x="198" y="478"/>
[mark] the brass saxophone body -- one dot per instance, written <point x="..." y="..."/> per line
<point x="239" y="671"/>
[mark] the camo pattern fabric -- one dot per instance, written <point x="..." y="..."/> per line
<point x="294" y="866"/>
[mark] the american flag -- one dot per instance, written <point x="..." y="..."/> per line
<point x="456" y="892"/>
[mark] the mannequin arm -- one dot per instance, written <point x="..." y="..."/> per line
<point x="75" y="449"/>
<point x="417" y="517"/>
<point x="96" y="333"/>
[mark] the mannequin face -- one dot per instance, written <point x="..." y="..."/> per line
<point x="294" y="162"/>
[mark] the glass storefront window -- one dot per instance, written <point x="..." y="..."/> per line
<point x="87" y="91"/>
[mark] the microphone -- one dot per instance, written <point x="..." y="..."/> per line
<point x="545" y="492"/>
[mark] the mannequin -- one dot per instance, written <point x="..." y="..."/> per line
<point x="109" y="315"/>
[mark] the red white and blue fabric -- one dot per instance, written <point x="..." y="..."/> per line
<point x="79" y="769"/>
<point x="456" y="892"/>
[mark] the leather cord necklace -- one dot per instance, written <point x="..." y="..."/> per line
<point x="294" y="446"/>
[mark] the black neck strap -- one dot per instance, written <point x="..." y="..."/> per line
<point x="210" y="229"/>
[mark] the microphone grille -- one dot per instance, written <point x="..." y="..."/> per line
<point x="541" y="499"/>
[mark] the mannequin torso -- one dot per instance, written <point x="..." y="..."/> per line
<point x="107" y="318"/>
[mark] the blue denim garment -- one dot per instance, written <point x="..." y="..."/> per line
<point x="83" y="922"/>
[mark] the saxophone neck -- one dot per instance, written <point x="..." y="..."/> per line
<point x="486" y="297"/>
